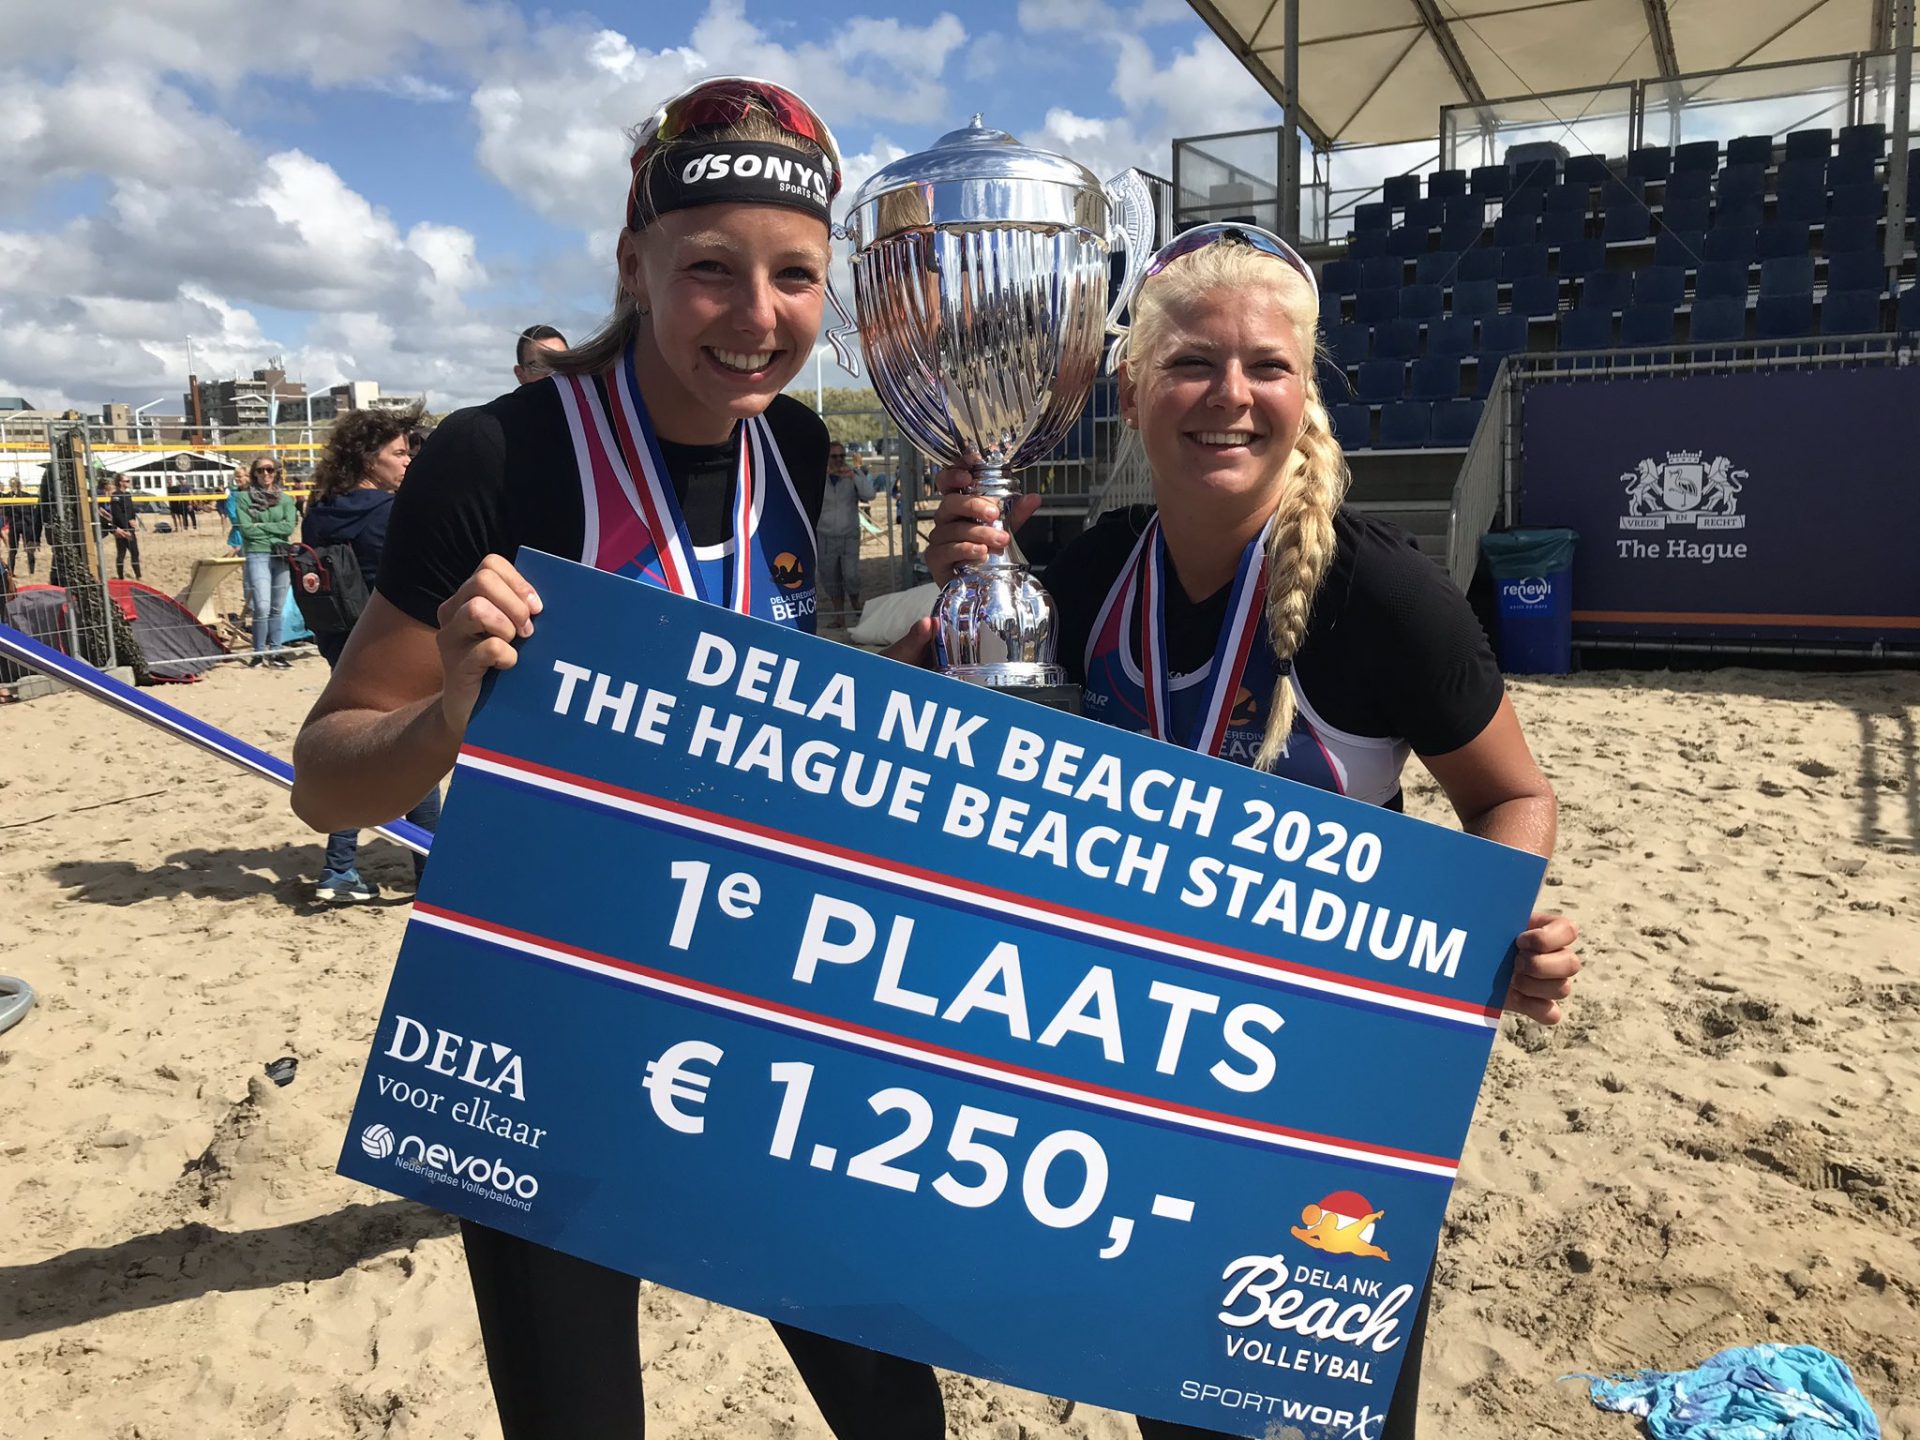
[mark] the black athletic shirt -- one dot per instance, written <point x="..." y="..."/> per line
<point x="502" y="475"/>
<point x="1393" y="651"/>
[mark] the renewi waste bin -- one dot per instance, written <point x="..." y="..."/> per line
<point x="1533" y="577"/>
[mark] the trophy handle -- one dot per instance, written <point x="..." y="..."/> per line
<point x="1132" y="204"/>
<point x="841" y="336"/>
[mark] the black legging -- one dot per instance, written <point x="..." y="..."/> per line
<point x="563" y="1352"/>
<point x="1401" y="1414"/>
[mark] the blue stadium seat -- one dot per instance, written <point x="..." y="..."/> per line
<point x="1858" y="200"/>
<point x="1560" y="230"/>
<point x="1634" y="224"/>
<point x="1862" y="142"/>
<point x="1503" y="335"/>
<point x="1750" y="150"/>
<point x="1525" y="202"/>
<point x="1587" y="169"/>
<point x="1786" y="275"/>
<point x="1340" y="277"/>
<point x="1476" y="297"/>
<point x="1519" y="261"/>
<point x="1382" y="272"/>
<point x="1688" y="212"/>
<point x="1783" y="317"/>
<point x="1381" y="381"/>
<point x="1610" y="290"/>
<point x="1617" y="192"/>
<point x="1424" y="214"/>
<point x="1688" y="183"/>
<point x="1455" y="422"/>
<point x="1376" y="307"/>
<point x="1733" y="242"/>
<point x="1513" y="230"/>
<point x="1452" y="337"/>
<point x="1436" y="267"/>
<point x="1856" y="270"/>
<point x="1586" y="329"/>
<point x="1372" y="215"/>
<point x="1804" y="144"/>
<point x="1536" y="296"/>
<point x="1846" y="234"/>
<point x="1366" y="244"/>
<point x="1420" y="302"/>
<point x="1850" y="312"/>
<point x="1400" y="191"/>
<point x="1347" y="344"/>
<point x="1582" y="258"/>
<point x="1396" y="340"/>
<point x="1406" y="425"/>
<point x="1913" y="180"/>
<point x="1718" y="320"/>
<point x="1567" y="200"/>
<point x="1437" y="377"/>
<point x="1650" y="162"/>
<point x="1717" y="278"/>
<point x="1685" y="248"/>
<point x="1803" y="207"/>
<point x="1850" y="170"/>
<point x="1335" y="387"/>
<point x="1737" y="217"/>
<point x="1781" y="238"/>
<point x="1444" y="183"/>
<point x="1740" y="184"/>
<point x="1481" y="263"/>
<point x="1489" y="180"/>
<point x="1908" y="315"/>
<point x="1408" y="242"/>
<point x="1801" y="177"/>
<point x="1461" y="231"/>
<point x="1352" y="426"/>
<point x="1535" y="174"/>
<point x="1645" y="325"/>
<point x="1660" y="285"/>
<point x="1456" y="209"/>
<point x="1696" y="156"/>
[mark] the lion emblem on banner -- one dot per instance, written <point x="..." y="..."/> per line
<point x="1684" y="489"/>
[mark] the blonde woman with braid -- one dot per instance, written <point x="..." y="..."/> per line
<point x="1367" y="653"/>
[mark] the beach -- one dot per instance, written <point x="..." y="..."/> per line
<point x="1720" y="1145"/>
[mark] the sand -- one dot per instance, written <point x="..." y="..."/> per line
<point x="1721" y="1145"/>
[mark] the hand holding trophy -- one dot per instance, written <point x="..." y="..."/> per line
<point x="980" y="285"/>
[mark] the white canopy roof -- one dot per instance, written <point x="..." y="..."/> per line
<point x="1373" y="71"/>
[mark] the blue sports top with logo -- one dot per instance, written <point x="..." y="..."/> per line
<point x="533" y="469"/>
<point x="1394" y="661"/>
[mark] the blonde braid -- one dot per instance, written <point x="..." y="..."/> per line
<point x="1299" y="550"/>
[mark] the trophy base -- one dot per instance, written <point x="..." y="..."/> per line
<point x="1044" y="684"/>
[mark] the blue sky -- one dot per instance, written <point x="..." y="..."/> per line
<point x="389" y="189"/>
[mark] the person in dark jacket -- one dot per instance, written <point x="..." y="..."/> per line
<point x="124" y="521"/>
<point x="353" y="488"/>
<point x="23" y="528"/>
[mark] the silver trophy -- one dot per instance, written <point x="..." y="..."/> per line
<point x="981" y="289"/>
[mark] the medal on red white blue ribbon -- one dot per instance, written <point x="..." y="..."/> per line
<point x="1246" y="613"/>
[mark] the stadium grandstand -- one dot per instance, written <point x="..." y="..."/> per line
<point x="1661" y="293"/>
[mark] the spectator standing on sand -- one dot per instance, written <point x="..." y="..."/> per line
<point x="353" y="488"/>
<point x="263" y="513"/>
<point x="24" y="527"/>
<point x="124" y="521"/>
<point x="838" y="537"/>
<point x="529" y="363"/>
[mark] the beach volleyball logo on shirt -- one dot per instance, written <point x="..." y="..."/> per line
<point x="788" y="570"/>
<point x="1342" y="1224"/>
<point x="1685" y="489"/>
<point x="1246" y="710"/>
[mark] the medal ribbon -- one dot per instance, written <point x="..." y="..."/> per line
<point x="652" y="495"/>
<point x="1245" y="616"/>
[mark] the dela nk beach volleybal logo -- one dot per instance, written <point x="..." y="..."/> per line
<point x="1684" y="489"/>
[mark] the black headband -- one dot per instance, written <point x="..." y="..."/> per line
<point x="719" y="172"/>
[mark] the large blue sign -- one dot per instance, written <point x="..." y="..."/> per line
<point x="1761" y="507"/>
<point x="924" y="1017"/>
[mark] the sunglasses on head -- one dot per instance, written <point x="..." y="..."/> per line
<point x="1201" y="236"/>
<point x="725" y="100"/>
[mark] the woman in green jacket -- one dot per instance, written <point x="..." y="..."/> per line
<point x="265" y="517"/>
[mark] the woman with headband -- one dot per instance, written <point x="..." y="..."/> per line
<point x="660" y="449"/>
<point x="1248" y="614"/>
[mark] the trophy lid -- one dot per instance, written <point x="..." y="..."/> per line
<point x="978" y="177"/>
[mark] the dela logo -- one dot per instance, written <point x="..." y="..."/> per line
<point x="1685" y="489"/>
<point x="788" y="570"/>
